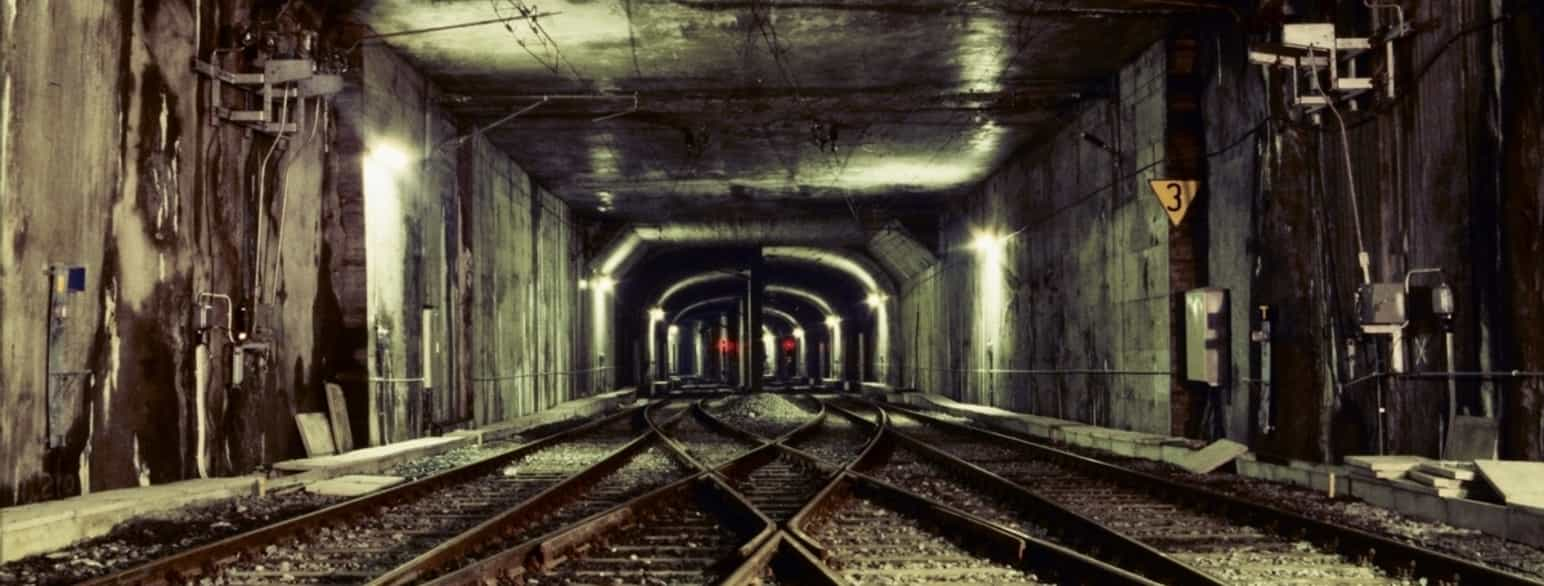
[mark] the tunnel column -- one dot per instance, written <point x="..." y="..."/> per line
<point x="755" y="292"/>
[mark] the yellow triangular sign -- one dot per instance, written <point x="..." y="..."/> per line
<point x="1175" y="195"/>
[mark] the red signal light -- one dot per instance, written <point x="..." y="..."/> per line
<point x="725" y="345"/>
<point x="789" y="344"/>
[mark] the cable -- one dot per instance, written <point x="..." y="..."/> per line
<point x="262" y="188"/>
<point x="1362" y="258"/>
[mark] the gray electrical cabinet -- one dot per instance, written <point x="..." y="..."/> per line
<point x="1206" y="336"/>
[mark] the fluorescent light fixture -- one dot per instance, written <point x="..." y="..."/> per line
<point x="604" y="284"/>
<point x="657" y="314"/>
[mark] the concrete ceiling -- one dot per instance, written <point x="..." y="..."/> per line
<point x="751" y="108"/>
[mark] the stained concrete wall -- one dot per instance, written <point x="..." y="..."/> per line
<point x="1081" y="284"/>
<point x="459" y="229"/>
<point x="1445" y="176"/>
<point x="108" y="164"/>
<point x="107" y="161"/>
<point x="1428" y="192"/>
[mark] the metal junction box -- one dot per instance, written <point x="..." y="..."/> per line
<point x="1206" y="336"/>
<point x="1382" y="304"/>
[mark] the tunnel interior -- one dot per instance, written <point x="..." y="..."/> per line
<point x="1154" y="216"/>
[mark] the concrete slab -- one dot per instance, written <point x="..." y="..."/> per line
<point x="337" y="414"/>
<point x="1213" y="456"/>
<point x="1452" y="470"/>
<point x="353" y="485"/>
<point x="1485" y="517"/>
<point x="1518" y="483"/>
<point x="1385" y="464"/>
<point x="1472" y="438"/>
<point x="353" y="461"/>
<point x="43" y="527"/>
<point x="1419" y="477"/>
<point x="315" y="433"/>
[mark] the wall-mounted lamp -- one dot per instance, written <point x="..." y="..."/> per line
<point x="604" y="284"/>
<point x="988" y="243"/>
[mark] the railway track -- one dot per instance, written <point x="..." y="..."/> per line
<point x="706" y="443"/>
<point x="838" y="439"/>
<point x="867" y="531"/>
<point x="1227" y="540"/>
<point x="363" y="538"/>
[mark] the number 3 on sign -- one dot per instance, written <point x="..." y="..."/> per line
<point x="1175" y="195"/>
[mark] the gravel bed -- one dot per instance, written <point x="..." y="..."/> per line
<point x="709" y="447"/>
<point x="1465" y="543"/>
<point x="415" y="469"/>
<point x="910" y="471"/>
<point x="764" y="414"/>
<point x="871" y="544"/>
<point x="144" y="539"/>
<point x="837" y="441"/>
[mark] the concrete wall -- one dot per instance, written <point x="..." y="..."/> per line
<point x="458" y="227"/>
<point x="107" y="161"/>
<point x="108" y="164"/>
<point x="1445" y="176"/>
<point x="1081" y="284"/>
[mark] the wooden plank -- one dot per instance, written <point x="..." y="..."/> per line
<point x="337" y="411"/>
<point x="315" y="434"/>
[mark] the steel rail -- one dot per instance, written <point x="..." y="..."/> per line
<point x="1072" y="526"/>
<point x="792" y="559"/>
<point x="546" y="552"/>
<point x="994" y="541"/>
<point x="1397" y="557"/>
<point x="206" y="559"/>
<point x="468" y="543"/>
<point x="1047" y="553"/>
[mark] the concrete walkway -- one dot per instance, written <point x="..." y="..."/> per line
<point x="38" y="528"/>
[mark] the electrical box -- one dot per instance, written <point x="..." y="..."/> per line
<point x="1206" y="336"/>
<point x="1309" y="35"/>
<point x="1382" y="304"/>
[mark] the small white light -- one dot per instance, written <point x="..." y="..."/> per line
<point x="987" y="242"/>
<point x="833" y="321"/>
<point x="875" y="300"/>
<point x="674" y="329"/>
<point x="657" y="314"/>
<point x="798" y="332"/>
<point x="604" y="284"/>
<point x="584" y="284"/>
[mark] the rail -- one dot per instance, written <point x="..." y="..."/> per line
<point x="1398" y="558"/>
